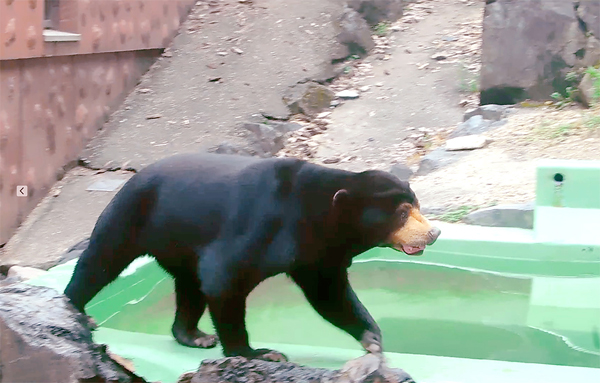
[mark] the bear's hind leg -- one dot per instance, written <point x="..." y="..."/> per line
<point x="191" y="304"/>
<point x="99" y="264"/>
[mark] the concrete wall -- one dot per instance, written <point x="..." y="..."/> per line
<point x="54" y="95"/>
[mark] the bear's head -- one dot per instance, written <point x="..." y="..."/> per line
<point x="384" y="211"/>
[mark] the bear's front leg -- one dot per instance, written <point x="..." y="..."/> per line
<point x="228" y="315"/>
<point x="330" y="294"/>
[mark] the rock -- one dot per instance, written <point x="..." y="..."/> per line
<point x="267" y="140"/>
<point x="54" y="340"/>
<point x="309" y="98"/>
<point x="474" y="125"/>
<point x="586" y="90"/>
<point x="227" y="148"/>
<point x="24" y="273"/>
<point x="354" y="35"/>
<point x="450" y="38"/>
<point x="332" y="160"/>
<point x="272" y="115"/>
<point x="364" y="88"/>
<point x="592" y="55"/>
<point x="377" y="11"/>
<point x="106" y="184"/>
<point x="286" y="127"/>
<point x="437" y="159"/>
<point x="153" y="116"/>
<point x="328" y="72"/>
<point x="520" y="216"/>
<point x="589" y="14"/>
<point x="367" y="368"/>
<point x="471" y="112"/>
<point x="347" y="94"/>
<point x="74" y="251"/>
<point x="439" y="56"/>
<point x="474" y="141"/>
<point x="528" y="47"/>
<point x="6" y="282"/>
<point x="401" y="171"/>
<point x="491" y="112"/>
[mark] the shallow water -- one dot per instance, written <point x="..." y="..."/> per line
<point x="421" y="309"/>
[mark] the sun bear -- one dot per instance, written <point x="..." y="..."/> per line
<point x="221" y="224"/>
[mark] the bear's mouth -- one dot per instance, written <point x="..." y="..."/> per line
<point x="413" y="250"/>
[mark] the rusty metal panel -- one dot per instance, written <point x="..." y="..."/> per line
<point x="61" y="98"/>
<point x="10" y="148"/>
<point x="86" y="96"/>
<point x="104" y="25"/>
<point x="123" y="25"/>
<point x="100" y="83"/>
<point x="21" y="33"/>
<point x="38" y="129"/>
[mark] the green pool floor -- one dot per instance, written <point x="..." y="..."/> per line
<point x="440" y="324"/>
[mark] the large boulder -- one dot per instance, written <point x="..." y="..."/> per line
<point x="520" y="216"/>
<point x="353" y="34"/>
<point x="268" y="139"/>
<point x="587" y="90"/>
<point x="377" y="11"/>
<point x="309" y="98"/>
<point x="44" y="339"/>
<point x="529" y="46"/>
<point x="589" y="13"/>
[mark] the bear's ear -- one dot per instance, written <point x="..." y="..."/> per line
<point x="340" y="196"/>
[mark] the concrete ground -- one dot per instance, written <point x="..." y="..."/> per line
<point x="66" y="216"/>
<point x="230" y="64"/>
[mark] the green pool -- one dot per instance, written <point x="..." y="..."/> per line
<point x="491" y="305"/>
<point x="423" y="310"/>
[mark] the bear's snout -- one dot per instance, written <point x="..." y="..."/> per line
<point x="433" y="235"/>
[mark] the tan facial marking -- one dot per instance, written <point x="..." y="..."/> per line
<point x="414" y="232"/>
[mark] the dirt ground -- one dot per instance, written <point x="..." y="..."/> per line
<point x="504" y="171"/>
<point x="411" y="101"/>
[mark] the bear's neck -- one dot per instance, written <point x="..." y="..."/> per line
<point x="320" y="224"/>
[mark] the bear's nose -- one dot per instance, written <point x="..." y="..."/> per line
<point x="433" y="235"/>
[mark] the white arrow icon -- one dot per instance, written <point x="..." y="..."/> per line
<point x="22" y="191"/>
